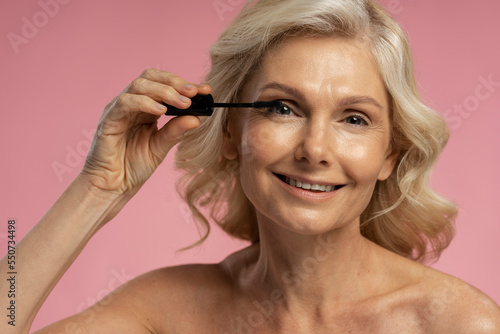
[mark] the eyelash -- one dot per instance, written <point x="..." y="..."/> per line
<point x="271" y="112"/>
<point x="361" y="118"/>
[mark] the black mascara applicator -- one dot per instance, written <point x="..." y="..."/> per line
<point x="203" y="105"/>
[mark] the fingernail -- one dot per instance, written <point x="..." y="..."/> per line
<point x="189" y="86"/>
<point x="183" y="98"/>
<point x="160" y="107"/>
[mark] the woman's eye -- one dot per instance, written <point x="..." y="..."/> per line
<point x="281" y="110"/>
<point x="356" y="120"/>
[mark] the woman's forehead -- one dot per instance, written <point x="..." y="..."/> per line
<point x="321" y="65"/>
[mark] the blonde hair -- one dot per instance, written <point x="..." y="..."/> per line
<point x="404" y="214"/>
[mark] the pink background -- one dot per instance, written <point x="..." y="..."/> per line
<point x="55" y="86"/>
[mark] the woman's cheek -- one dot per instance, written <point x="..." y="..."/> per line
<point x="265" y="142"/>
<point x="360" y="158"/>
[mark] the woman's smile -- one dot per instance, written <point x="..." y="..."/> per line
<point x="308" y="190"/>
<point x="308" y="184"/>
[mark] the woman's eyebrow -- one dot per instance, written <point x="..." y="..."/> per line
<point x="359" y="99"/>
<point x="344" y="101"/>
<point x="284" y="88"/>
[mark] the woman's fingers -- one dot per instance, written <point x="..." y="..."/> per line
<point x="132" y="103"/>
<point x="182" y="86"/>
<point x="166" y="87"/>
<point x="159" y="92"/>
<point x="128" y="145"/>
<point x="141" y="102"/>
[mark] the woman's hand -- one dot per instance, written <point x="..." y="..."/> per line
<point x="128" y="146"/>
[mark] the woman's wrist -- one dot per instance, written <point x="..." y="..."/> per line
<point x="105" y="203"/>
<point x="87" y="188"/>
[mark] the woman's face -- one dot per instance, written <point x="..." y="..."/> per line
<point x="311" y="166"/>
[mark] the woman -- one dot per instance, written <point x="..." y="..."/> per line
<point x="330" y="188"/>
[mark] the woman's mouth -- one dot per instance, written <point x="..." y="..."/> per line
<point x="308" y="186"/>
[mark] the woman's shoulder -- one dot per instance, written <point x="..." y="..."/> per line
<point x="213" y="276"/>
<point x="453" y="305"/>
<point x="177" y="284"/>
<point x="441" y="302"/>
<point x="170" y="296"/>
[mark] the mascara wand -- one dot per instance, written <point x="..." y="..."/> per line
<point x="203" y="105"/>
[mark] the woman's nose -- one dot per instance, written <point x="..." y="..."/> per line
<point x="316" y="145"/>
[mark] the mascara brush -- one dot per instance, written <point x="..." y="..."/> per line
<point x="203" y="105"/>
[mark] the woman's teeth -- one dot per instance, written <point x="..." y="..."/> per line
<point x="308" y="186"/>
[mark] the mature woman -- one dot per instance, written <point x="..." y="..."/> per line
<point x="330" y="188"/>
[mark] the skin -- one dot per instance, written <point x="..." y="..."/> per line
<point x="312" y="271"/>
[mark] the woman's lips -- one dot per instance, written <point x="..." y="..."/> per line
<point x="309" y="185"/>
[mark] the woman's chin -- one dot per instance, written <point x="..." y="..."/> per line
<point x="305" y="225"/>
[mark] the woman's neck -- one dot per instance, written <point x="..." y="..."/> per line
<point x="309" y="270"/>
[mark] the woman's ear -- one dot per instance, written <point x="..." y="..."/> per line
<point x="229" y="145"/>
<point x="389" y="163"/>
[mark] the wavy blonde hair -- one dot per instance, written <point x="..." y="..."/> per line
<point x="404" y="215"/>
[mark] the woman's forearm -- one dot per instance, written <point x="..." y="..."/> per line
<point x="46" y="252"/>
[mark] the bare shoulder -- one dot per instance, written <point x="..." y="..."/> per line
<point x="188" y="276"/>
<point x="446" y="304"/>
<point x="436" y="302"/>
<point x="174" y="294"/>
<point x="455" y="306"/>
